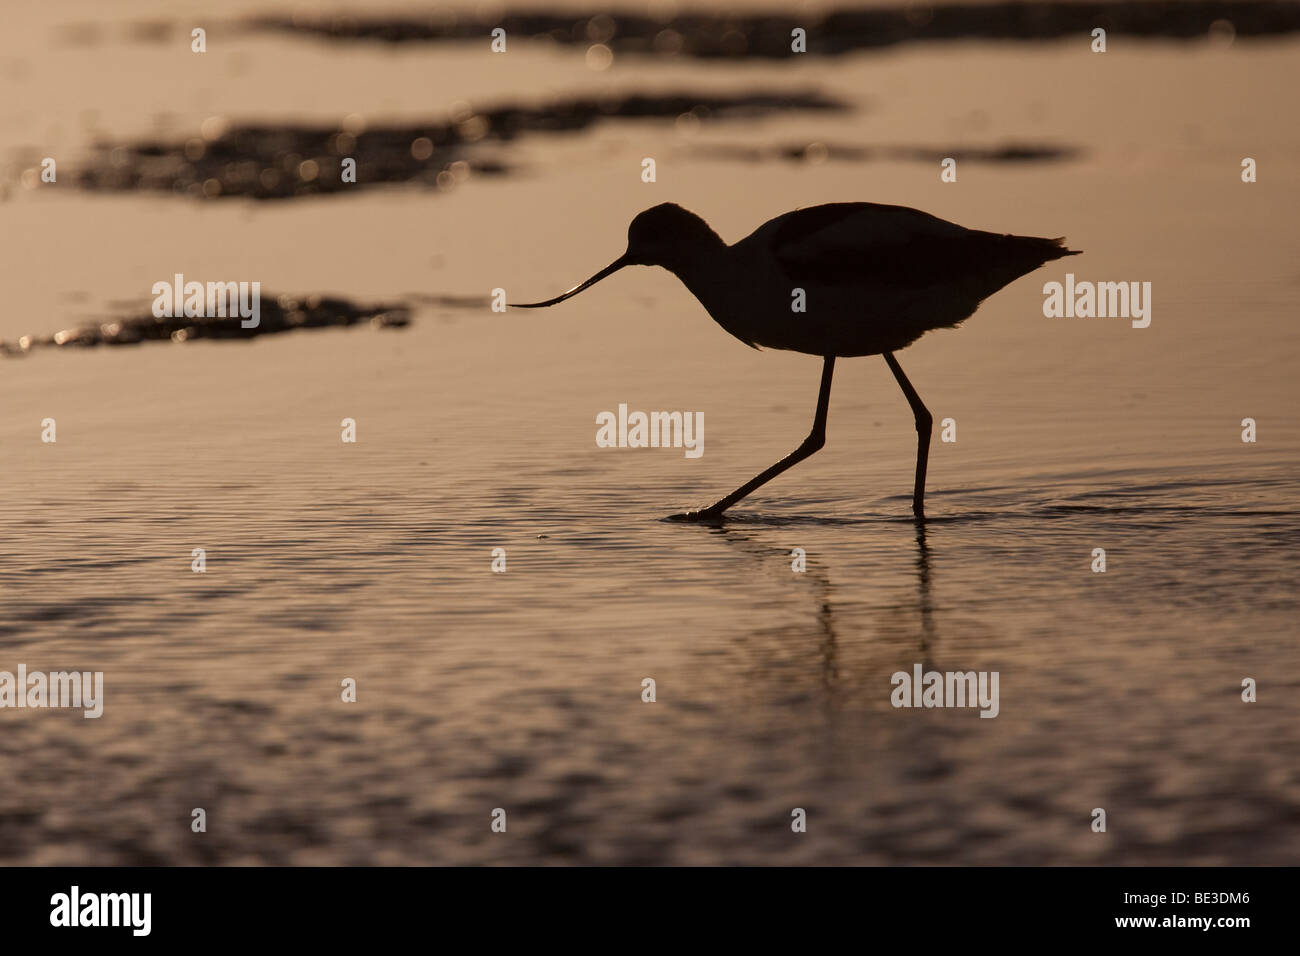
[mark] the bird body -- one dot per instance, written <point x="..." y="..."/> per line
<point x="837" y="280"/>
<point x="874" y="277"/>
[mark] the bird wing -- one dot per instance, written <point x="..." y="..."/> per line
<point x="868" y="243"/>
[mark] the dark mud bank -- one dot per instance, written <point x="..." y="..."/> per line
<point x="722" y="34"/>
<point x="278" y="313"/>
<point x="294" y="160"/>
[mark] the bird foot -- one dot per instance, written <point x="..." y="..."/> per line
<point x="705" y="514"/>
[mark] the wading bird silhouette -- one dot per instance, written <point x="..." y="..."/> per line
<point x="875" y="278"/>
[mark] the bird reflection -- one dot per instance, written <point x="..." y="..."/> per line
<point x="757" y="544"/>
<point x="924" y="601"/>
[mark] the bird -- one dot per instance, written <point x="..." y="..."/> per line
<point x="873" y="278"/>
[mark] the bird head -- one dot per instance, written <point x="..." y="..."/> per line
<point x="664" y="235"/>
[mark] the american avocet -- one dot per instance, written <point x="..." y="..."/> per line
<point x="872" y="279"/>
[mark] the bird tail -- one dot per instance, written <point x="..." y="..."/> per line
<point x="1007" y="258"/>
<point x="1056" y="249"/>
<point x="1027" y="253"/>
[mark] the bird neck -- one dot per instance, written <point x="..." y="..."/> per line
<point x="699" y="266"/>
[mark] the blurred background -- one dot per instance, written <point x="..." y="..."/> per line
<point x="475" y="430"/>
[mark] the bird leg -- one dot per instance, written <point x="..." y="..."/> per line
<point x="924" y="429"/>
<point x="815" y="440"/>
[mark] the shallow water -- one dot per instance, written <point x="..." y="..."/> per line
<point x="522" y="690"/>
